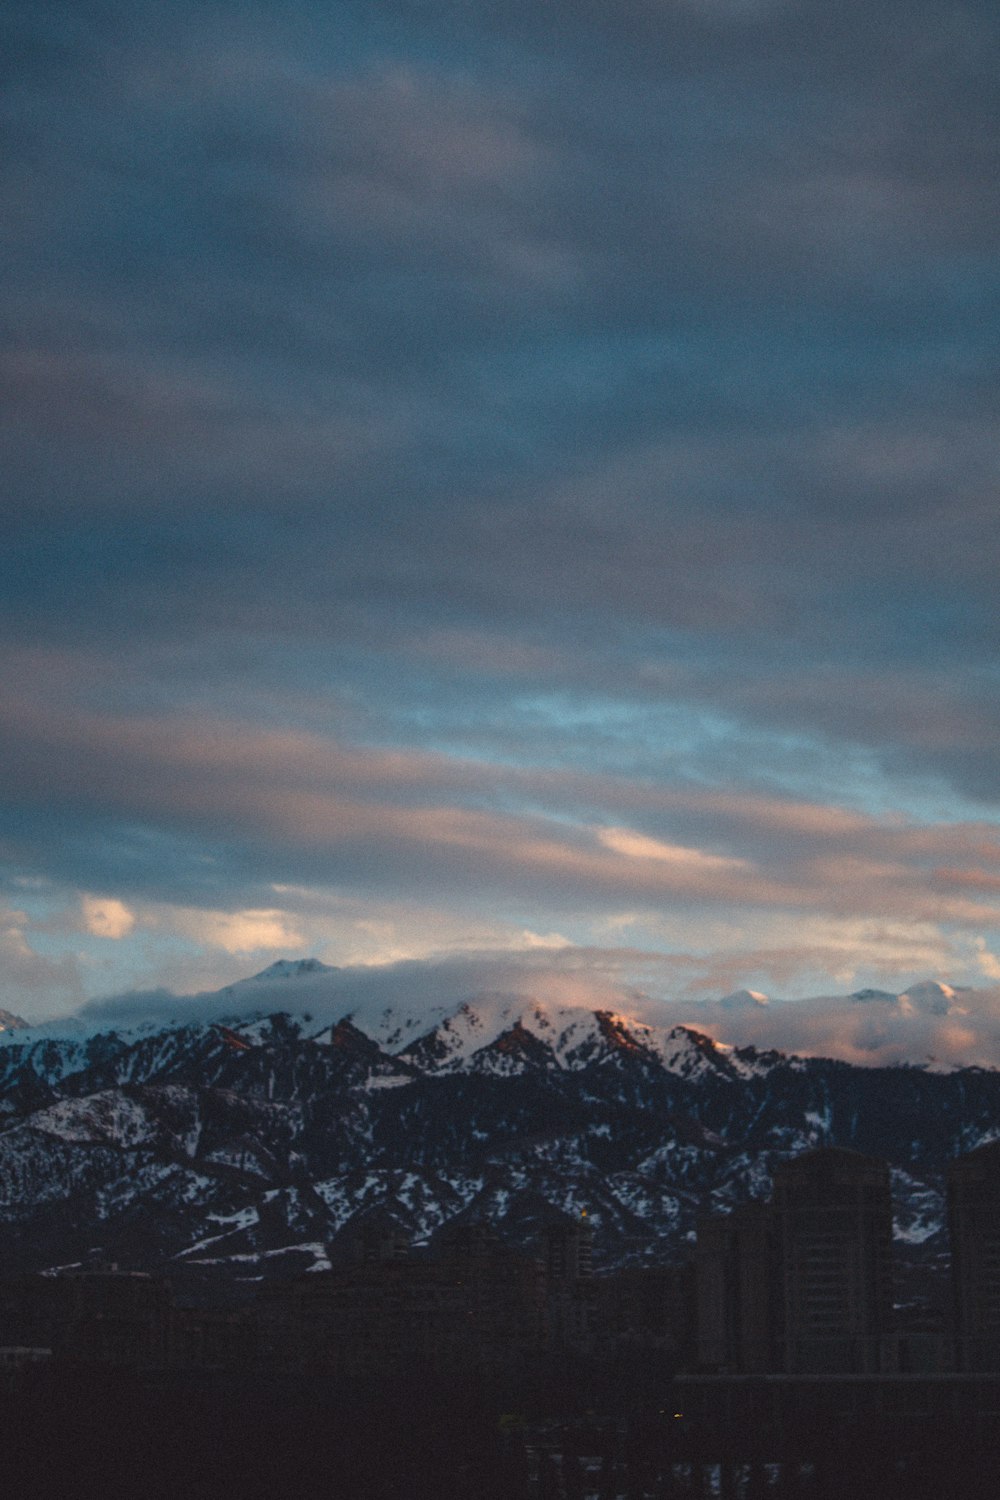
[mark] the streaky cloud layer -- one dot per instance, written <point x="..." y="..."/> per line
<point x="500" y="470"/>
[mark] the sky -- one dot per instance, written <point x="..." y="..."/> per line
<point x="503" y="485"/>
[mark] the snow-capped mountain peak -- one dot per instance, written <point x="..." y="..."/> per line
<point x="933" y="998"/>
<point x="689" y="1053"/>
<point x="743" y="999"/>
<point x="253" y="1138"/>
<point x="291" y="968"/>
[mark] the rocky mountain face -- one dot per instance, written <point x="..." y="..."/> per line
<point x="255" y="1147"/>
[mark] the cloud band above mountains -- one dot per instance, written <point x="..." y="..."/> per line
<point x="930" y="1024"/>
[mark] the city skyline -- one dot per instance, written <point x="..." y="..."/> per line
<point x="512" y="489"/>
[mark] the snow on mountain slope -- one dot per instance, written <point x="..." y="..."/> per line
<point x="741" y="999"/>
<point x="33" y="1061"/>
<point x="691" y="1054"/>
<point x="250" y="1143"/>
<point x="934" y="998"/>
<point x="285" y="968"/>
<point x="507" y="1035"/>
<point x="235" y="1159"/>
<point x="109" y="1117"/>
<point x="501" y="1034"/>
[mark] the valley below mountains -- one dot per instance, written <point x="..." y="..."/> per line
<point x="257" y="1145"/>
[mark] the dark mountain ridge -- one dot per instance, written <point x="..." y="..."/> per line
<point x="247" y="1150"/>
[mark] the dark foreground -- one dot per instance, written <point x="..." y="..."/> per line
<point x="112" y="1434"/>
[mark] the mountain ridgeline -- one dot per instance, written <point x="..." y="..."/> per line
<point x="239" y="1149"/>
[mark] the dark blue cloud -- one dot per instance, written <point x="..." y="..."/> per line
<point x="570" y="387"/>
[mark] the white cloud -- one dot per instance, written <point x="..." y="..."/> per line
<point x="988" y="962"/>
<point x="640" y="846"/>
<point x="107" y="917"/>
<point x="544" y="940"/>
<point x="239" y="932"/>
<point x="26" y="975"/>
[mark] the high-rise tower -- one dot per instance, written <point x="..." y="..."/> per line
<point x="833" y="1233"/>
<point x="736" y="1290"/>
<point x="974" y="1227"/>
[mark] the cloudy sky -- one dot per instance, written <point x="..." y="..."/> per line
<point x="499" y="479"/>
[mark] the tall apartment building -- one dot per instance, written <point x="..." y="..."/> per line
<point x="974" y="1227"/>
<point x="569" y="1248"/>
<point x="832" y="1216"/>
<point x="736" y="1291"/>
<point x="569" y="1282"/>
<point x="803" y="1284"/>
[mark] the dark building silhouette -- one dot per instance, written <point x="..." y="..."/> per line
<point x="832" y="1212"/>
<point x="802" y="1284"/>
<point x="569" y="1249"/>
<point x="378" y="1240"/>
<point x="737" y="1290"/>
<point x="94" y="1315"/>
<point x="570" y="1296"/>
<point x="503" y="1294"/>
<point x="643" y="1309"/>
<point x="211" y="1338"/>
<point x="99" y="1315"/>
<point x="477" y="1304"/>
<point x="974" y="1228"/>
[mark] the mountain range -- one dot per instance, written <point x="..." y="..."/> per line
<point x="254" y="1143"/>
